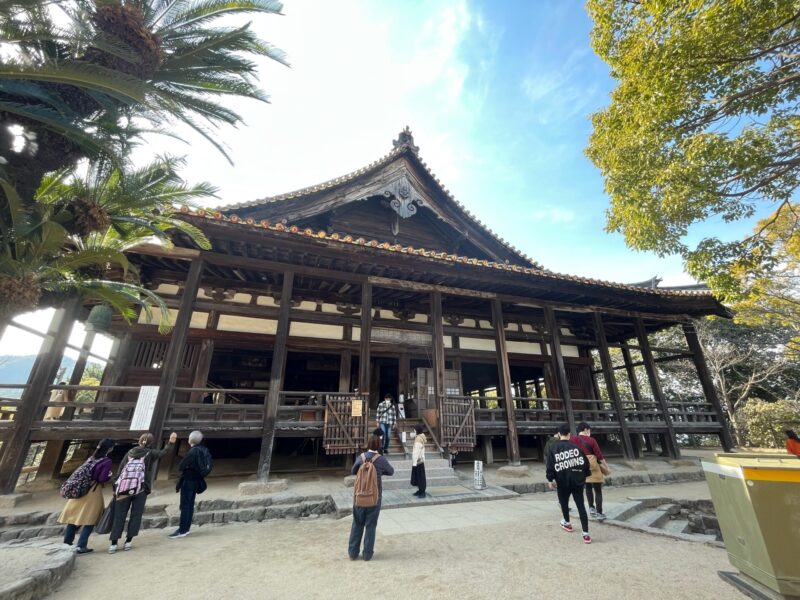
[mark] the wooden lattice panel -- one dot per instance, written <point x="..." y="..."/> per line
<point x="344" y="433"/>
<point x="458" y="424"/>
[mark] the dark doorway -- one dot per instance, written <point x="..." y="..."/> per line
<point x="386" y="379"/>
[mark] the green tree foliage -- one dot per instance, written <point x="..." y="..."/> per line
<point x="767" y="421"/>
<point x="72" y="240"/>
<point x="77" y="73"/>
<point x="703" y="124"/>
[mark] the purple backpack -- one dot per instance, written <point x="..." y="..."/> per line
<point x="101" y="471"/>
<point x="80" y="481"/>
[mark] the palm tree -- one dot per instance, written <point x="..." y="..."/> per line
<point x="81" y="70"/>
<point x="72" y="241"/>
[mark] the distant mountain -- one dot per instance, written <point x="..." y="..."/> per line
<point x="15" y="369"/>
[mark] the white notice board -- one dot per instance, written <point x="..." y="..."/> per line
<point x="145" y="405"/>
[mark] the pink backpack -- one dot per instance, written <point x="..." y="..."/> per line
<point x="131" y="480"/>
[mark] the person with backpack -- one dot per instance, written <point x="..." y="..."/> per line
<point x="369" y="468"/>
<point x="597" y="466"/>
<point x="194" y="468"/>
<point x="134" y="483"/>
<point x="567" y="470"/>
<point x="84" y="493"/>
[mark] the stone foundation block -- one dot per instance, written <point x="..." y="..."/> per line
<point x="634" y="465"/>
<point x="13" y="500"/>
<point x="349" y="481"/>
<point x="257" y="488"/>
<point x="515" y="471"/>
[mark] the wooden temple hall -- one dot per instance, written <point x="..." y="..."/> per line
<point x="312" y="305"/>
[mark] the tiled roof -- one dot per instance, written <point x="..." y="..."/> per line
<point x="404" y="145"/>
<point x="432" y="254"/>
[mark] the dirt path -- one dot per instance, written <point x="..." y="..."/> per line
<point x="507" y="549"/>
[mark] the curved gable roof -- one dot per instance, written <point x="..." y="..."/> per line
<point x="382" y="177"/>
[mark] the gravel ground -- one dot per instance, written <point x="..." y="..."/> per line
<point x="524" y="558"/>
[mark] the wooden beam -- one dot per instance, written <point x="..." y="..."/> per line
<point x="275" y="379"/>
<point x="176" y="252"/>
<point x="437" y="336"/>
<point x="177" y="345"/>
<point x="44" y="371"/>
<point x="652" y="374"/>
<point x="709" y="391"/>
<point x="558" y="364"/>
<point x="366" y="333"/>
<point x="504" y="373"/>
<point x="416" y="286"/>
<point x="611" y="385"/>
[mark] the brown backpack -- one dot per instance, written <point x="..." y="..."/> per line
<point x="365" y="490"/>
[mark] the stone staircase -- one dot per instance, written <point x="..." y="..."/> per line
<point x="679" y="519"/>
<point x="438" y="471"/>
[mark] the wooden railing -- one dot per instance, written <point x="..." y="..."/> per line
<point x="306" y="409"/>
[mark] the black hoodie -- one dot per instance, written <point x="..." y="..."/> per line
<point x="567" y="464"/>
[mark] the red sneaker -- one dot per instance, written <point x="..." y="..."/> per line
<point x="587" y="539"/>
<point x="566" y="526"/>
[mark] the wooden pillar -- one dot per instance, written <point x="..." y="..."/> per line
<point x="709" y="391"/>
<point x="200" y="378"/>
<point x="275" y="378"/>
<point x="558" y="359"/>
<point x="41" y="378"/>
<point x="629" y="368"/>
<point x="652" y="374"/>
<point x="345" y="366"/>
<point x="52" y="460"/>
<point x="611" y="385"/>
<point x="504" y="373"/>
<point x="364" y="371"/>
<point x="77" y="374"/>
<point x="437" y="335"/>
<point x="404" y="374"/>
<point x="116" y="367"/>
<point x="177" y="343"/>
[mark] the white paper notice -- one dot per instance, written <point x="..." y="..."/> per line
<point x="145" y="405"/>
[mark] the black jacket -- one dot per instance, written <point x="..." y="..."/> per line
<point x="189" y="467"/>
<point x="567" y="464"/>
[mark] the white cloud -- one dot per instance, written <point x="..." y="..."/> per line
<point x="554" y="215"/>
<point x="360" y="73"/>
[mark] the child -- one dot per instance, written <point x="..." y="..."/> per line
<point x="418" y="461"/>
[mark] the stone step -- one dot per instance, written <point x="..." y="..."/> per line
<point x="675" y="526"/>
<point x="392" y="483"/>
<point x="431" y="462"/>
<point x="646" y="518"/>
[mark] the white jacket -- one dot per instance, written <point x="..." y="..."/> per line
<point x="418" y="453"/>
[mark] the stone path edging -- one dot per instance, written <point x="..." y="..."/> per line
<point x="616" y="480"/>
<point x="58" y="563"/>
<point x="219" y="510"/>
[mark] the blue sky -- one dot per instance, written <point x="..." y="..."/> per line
<point x="498" y="95"/>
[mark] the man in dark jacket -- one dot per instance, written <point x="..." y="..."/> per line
<point x="191" y="482"/>
<point x="567" y="469"/>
